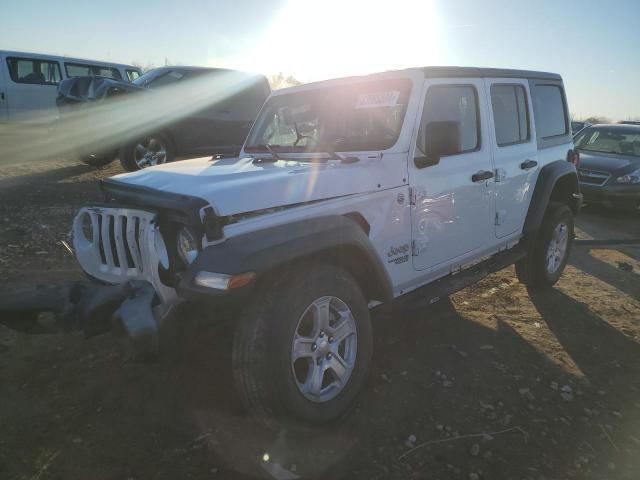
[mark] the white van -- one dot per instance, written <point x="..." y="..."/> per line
<point x="29" y="82"/>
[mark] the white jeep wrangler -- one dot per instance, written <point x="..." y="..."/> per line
<point x="348" y="193"/>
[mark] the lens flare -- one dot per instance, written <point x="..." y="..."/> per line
<point x="105" y="124"/>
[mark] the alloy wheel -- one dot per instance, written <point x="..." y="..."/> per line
<point x="324" y="349"/>
<point x="149" y="152"/>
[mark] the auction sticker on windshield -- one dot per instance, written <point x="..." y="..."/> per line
<point x="378" y="99"/>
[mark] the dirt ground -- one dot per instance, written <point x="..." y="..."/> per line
<point x="490" y="384"/>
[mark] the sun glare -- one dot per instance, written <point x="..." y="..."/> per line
<point x="319" y="40"/>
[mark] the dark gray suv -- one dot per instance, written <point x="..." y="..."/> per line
<point x="166" y="113"/>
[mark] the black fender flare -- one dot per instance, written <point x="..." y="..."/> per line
<point x="548" y="178"/>
<point x="263" y="250"/>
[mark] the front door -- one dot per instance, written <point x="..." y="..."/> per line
<point x="452" y="211"/>
<point x="515" y="152"/>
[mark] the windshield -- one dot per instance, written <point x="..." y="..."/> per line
<point x="361" y="116"/>
<point x="610" y="140"/>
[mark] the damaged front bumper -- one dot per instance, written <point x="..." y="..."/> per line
<point x="131" y="310"/>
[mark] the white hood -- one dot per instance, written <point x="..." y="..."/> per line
<point x="233" y="185"/>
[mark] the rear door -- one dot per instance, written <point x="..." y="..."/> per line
<point x="32" y="89"/>
<point x="452" y="208"/>
<point x="515" y="151"/>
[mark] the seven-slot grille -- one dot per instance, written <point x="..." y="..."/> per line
<point x="113" y="243"/>
<point x="119" y="241"/>
<point x="592" y="177"/>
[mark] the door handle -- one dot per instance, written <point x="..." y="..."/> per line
<point x="527" y="164"/>
<point x="482" y="175"/>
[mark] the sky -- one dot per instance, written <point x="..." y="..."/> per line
<point x="594" y="45"/>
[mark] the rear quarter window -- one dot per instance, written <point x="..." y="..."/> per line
<point x="550" y="110"/>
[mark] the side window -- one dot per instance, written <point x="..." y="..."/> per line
<point x="450" y="116"/>
<point x="551" y="117"/>
<point x="79" y="70"/>
<point x="34" y="71"/>
<point x="510" y="115"/>
<point x="75" y="70"/>
<point x="165" y="79"/>
<point x="132" y="75"/>
<point x="108" y="72"/>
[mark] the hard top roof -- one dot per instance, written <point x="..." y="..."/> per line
<point x="439" y="72"/>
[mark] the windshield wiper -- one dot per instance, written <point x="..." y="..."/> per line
<point x="269" y="148"/>
<point x="272" y="152"/>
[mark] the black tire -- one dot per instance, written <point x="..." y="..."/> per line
<point x="532" y="270"/>
<point x="262" y="350"/>
<point x="129" y="153"/>
<point x="98" y="160"/>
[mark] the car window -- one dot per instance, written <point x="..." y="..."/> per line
<point x="453" y="103"/>
<point x="510" y="115"/>
<point x="78" y="70"/>
<point x="132" y="75"/>
<point x="164" y="79"/>
<point x="550" y="111"/>
<point x="108" y="72"/>
<point x="34" y="71"/>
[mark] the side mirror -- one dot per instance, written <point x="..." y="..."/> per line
<point x="440" y="139"/>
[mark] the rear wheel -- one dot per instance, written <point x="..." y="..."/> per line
<point x="147" y="151"/>
<point x="548" y="256"/>
<point x="98" y="160"/>
<point x="303" y="348"/>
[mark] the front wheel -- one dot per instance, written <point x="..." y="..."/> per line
<point x="303" y="348"/>
<point x="548" y="256"/>
<point x="147" y="151"/>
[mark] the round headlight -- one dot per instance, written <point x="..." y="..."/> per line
<point x="187" y="245"/>
<point x="87" y="227"/>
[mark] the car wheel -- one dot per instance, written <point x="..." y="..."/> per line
<point x="548" y="256"/>
<point x="147" y="151"/>
<point x="98" y="160"/>
<point x="303" y="348"/>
